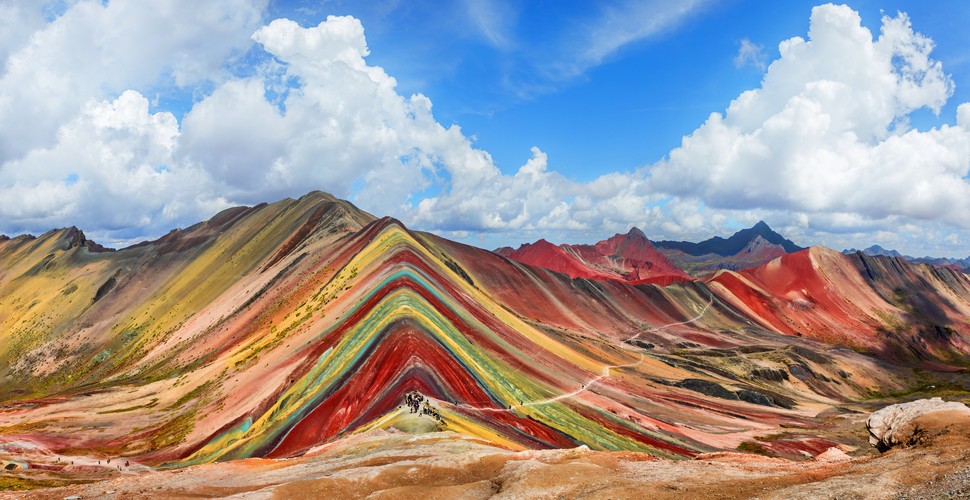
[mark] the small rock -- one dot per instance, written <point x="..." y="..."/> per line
<point x="706" y="387"/>
<point x="833" y="454"/>
<point x="755" y="397"/>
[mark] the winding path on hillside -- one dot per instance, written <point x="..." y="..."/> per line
<point x="598" y="378"/>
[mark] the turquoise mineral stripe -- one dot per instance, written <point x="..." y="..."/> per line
<point x="406" y="304"/>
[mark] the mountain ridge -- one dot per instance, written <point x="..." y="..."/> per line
<point x="271" y="330"/>
<point x="629" y="257"/>
<point x="873" y="250"/>
<point x="662" y="263"/>
<point x="732" y="245"/>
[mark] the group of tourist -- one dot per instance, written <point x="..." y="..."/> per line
<point x="108" y="462"/>
<point x="417" y="403"/>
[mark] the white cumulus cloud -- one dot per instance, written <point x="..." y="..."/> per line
<point x="79" y="144"/>
<point x="346" y="129"/>
<point x="827" y="132"/>
<point x="111" y="164"/>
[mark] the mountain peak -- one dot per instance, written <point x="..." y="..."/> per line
<point x="759" y="245"/>
<point x="758" y="241"/>
<point x="761" y="229"/>
<point x="629" y="257"/>
<point x="879" y="250"/>
<point x="76" y="238"/>
<point x="734" y="244"/>
<point x="635" y="232"/>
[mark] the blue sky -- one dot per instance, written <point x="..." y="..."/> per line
<point x="494" y="122"/>
<point x="627" y="111"/>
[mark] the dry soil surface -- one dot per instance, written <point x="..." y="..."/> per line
<point x="392" y="464"/>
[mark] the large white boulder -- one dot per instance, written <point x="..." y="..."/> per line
<point x="893" y="425"/>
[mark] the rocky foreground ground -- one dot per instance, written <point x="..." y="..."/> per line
<point x="929" y="458"/>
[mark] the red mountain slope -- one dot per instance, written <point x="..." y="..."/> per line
<point x="903" y="312"/>
<point x="556" y="258"/>
<point x="630" y="258"/>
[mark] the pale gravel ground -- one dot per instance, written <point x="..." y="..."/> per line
<point x="383" y="464"/>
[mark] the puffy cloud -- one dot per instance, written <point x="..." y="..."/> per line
<point x="822" y="148"/>
<point x="345" y="128"/>
<point x="491" y="201"/>
<point x="111" y="164"/>
<point x="235" y="135"/>
<point x="19" y="19"/>
<point x="79" y="146"/>
<point x="97" y="50"/>
<point x="826" y="134"/>
<point x="338" y="124"/>
<point x="346" y="121"/>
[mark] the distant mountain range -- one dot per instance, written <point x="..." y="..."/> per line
<point x="733" y="245"/>
<point x="956" y="264"/>
<point x="633" y="258"/>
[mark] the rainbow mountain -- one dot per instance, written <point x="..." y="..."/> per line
<point x="275" y="329"/>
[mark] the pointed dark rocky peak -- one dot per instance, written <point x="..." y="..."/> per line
<point x="636" y="233"/>
<point x="763" y="230"/>
<point x="74" y="236"/>
<point x="75" y="239"/>
<point x="733" y="245"/>
<point x="876" y="250"/>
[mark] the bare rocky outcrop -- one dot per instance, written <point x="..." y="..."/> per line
<point x="898" y="424"/>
